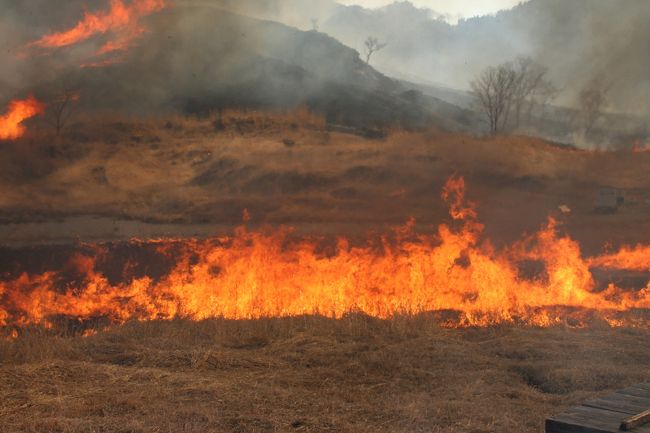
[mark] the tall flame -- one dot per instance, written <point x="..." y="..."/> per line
<point x="121" y="18"/>
<point x="268" y="273"/>
<point x="11" y="126"/>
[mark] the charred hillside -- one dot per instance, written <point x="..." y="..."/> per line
<point x="196" y="59"/>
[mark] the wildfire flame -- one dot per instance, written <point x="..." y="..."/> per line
<point x="121" y="19"/>
<point x="11" y="126"/>
<point x="268" y="273"/>
<point x="633" y="259"/>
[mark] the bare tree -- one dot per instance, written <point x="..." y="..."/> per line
<point x="61" y="107"/>
<point x="372" y="46"/>
<point x="314" y="24"/>
<point x="540" y="99"/>
<point x="512" y="89"/>
<point x="494" y="89"/>
<point x="531" y="86"/>
<point x="592" y="99"/>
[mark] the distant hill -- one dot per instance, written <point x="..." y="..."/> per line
<point x="196" y="57"/>
<point x="202" y="55"/>
<point x="576" y="39"/>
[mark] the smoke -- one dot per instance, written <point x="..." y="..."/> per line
<point x="583" y="40"/>
<point x="197" y="57"/>
<point x="22" y="22"/>
<point x="201" y="55"/>
<point x="576" y="40"/>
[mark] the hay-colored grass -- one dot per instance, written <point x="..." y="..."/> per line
<point x="310" y="374"/>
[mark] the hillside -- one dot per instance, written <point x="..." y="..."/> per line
<point x="437" y="58"/>
<point x="291" y="169"/>
<point x="196" y="58"/>
<point x="557" y="33"/>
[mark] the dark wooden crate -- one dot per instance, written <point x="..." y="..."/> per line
<point x="604" y="414"/>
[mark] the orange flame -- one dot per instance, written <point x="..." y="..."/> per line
<point x="121" y="18"/>
<point x="267" y="273"/>
<point x="11" y="126"/>
<point x="628" y="258"/>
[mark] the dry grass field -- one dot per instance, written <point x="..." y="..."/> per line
<point x="310" y="374"/>
<point x="113" y="180"/>
<point x="431" y="222"/>
<point x="288" y="168"/>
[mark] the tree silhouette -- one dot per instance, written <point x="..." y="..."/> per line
<point x="372" y="46"/>
<point x="61" y="107"/>
<point x="494" y="89"/>
<point x="592" y="99"/>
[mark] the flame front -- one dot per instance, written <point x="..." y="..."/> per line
<point x="121" y="18"/>
<point x="633" y="259"/>
<point x="11" y="126"/>
<point x="270" y="274"/>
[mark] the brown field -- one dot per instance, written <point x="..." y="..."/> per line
<point x="310" y="375"/>
<point x="119" y="179"/>
<point x="113" y="180"/>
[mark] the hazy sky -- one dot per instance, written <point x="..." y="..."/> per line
<point x="464" y="8"/>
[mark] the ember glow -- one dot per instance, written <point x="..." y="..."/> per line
<point x="252" y="274"/>
<point x="11" y="126"/>
<point x="641" y="148"/>
<point x="122" y="20"/>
